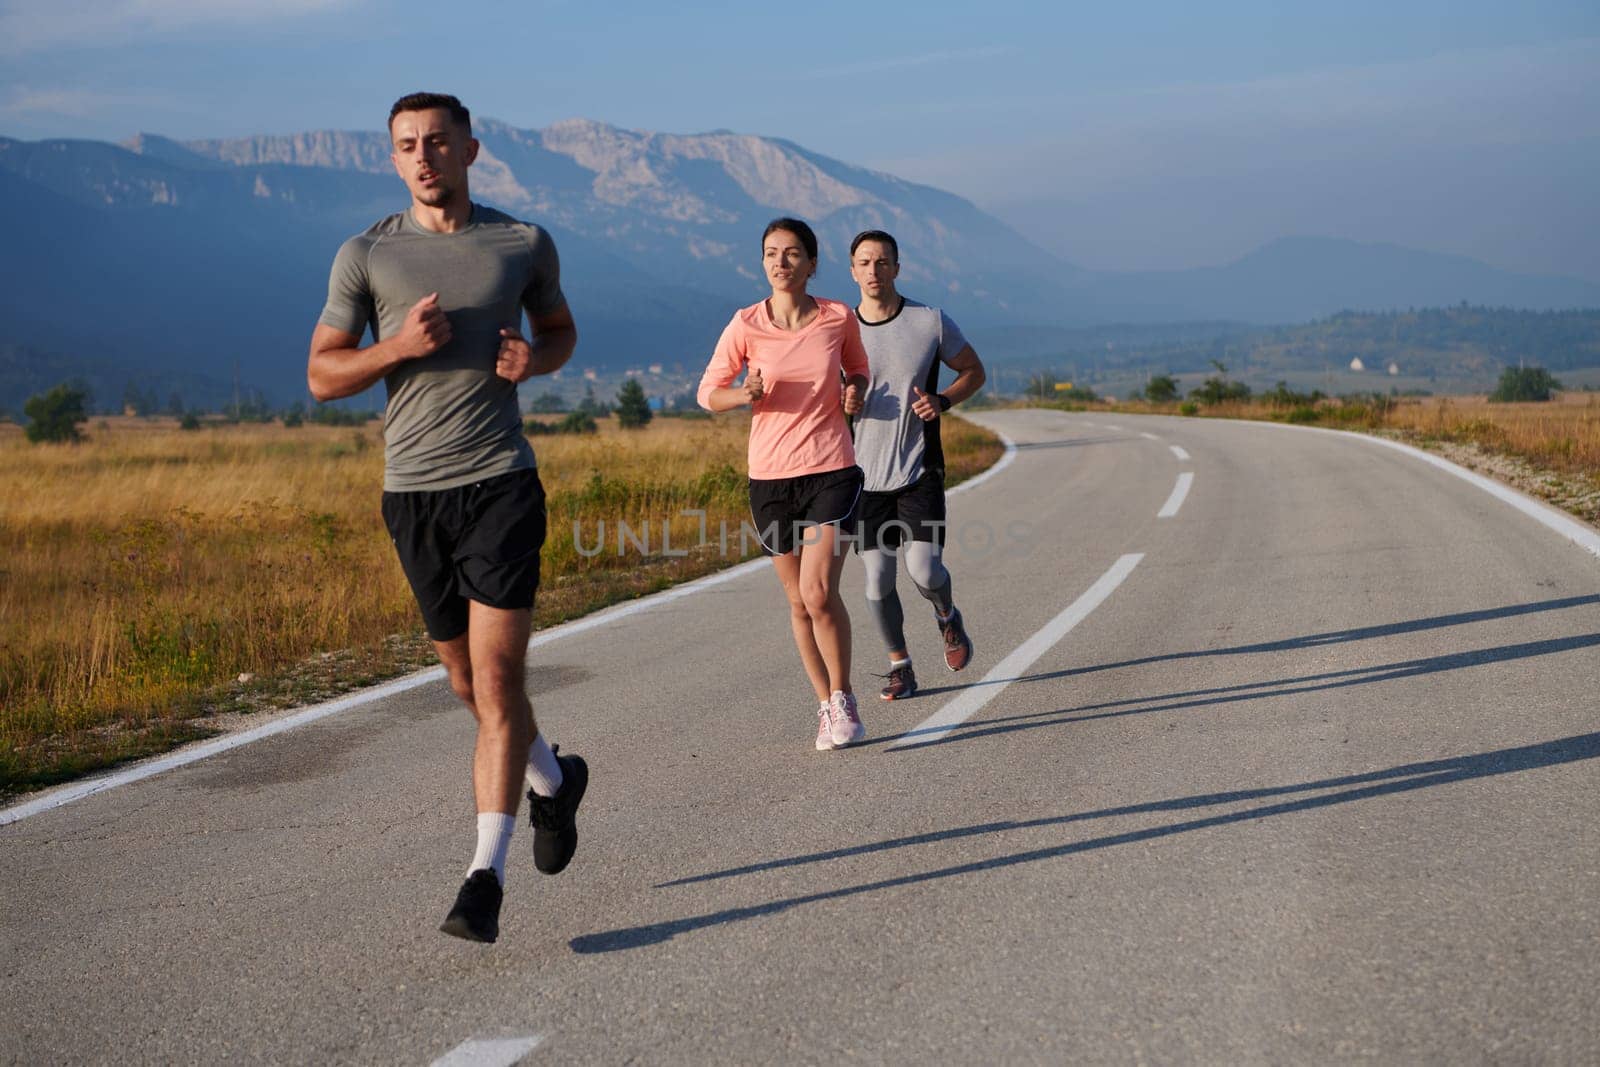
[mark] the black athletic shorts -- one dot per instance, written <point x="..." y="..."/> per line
<point x="474" y="542"/>
<point x="782" y="508"/>
<point x="915" y="513"/>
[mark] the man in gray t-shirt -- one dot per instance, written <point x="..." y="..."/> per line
<point x="902" y="509"/>
<point x="444" y="287"/>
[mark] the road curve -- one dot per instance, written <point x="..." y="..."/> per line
<point x="1278" y="746"/>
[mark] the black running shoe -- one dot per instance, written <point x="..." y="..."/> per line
<point x="555" y="819"/>
<point x="476" y="915"/>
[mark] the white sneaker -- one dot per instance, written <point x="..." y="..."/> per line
<point x="824" y="726"/>
<point x="847" y="728"/>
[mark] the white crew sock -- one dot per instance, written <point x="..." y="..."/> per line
<point x="494" y="840"/>
<point x="544" y="772"/>
<point x="896" y="664"/>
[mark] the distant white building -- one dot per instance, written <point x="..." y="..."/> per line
<point x="1356" y="364"/>
<point x="590" y="376"/>
<point x="1394" y="368"/>
<point x="655" y="368"/>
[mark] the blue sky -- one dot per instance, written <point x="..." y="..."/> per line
<point x="1155" y="135"/>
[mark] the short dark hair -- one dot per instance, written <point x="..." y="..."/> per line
<point x="879" y="236"/>
<point x="796" y="227"/>
<point x="428" y="102"/>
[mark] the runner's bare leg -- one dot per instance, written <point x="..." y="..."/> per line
<point x="487" y="672"/>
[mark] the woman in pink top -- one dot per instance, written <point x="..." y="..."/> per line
<point x="806" y="371"/>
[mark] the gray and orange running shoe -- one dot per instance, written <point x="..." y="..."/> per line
<point x="957" y="645"/>
<point x="902" y="683"/>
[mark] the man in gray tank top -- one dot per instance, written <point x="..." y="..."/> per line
<point x="902" y="508"/>
<point x="444" y="286"/>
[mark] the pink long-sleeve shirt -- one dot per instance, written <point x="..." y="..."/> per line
<point x="798" y="427"/>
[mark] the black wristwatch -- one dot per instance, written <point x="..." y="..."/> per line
<point x="944" y="402"/>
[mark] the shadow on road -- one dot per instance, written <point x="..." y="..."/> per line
<point x="1069" y="442"/>
<point x="1334" y="637"/>
<point x="906" y="741"/>
<point x="1349" y="788"/>
<point x="1232" y="694"/>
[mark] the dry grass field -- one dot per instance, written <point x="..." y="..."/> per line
<point x="1562" y="434"/>
<point x="150" y="576"/>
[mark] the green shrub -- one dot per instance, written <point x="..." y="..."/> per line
<point x="1524" y="385"/>
<point x="55" y="416"/>
<point x="1162" y="389"/>
<point x="1217" y="390"/>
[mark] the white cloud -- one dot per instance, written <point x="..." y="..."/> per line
<point x="71" y="103"/>
<point x="31" y="25"/>
<point x="887" y="63"/>
<point x="23" y="102"/>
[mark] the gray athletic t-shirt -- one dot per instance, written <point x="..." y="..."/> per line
<point x="893" y="445"/>
<point x="450" y="420"/>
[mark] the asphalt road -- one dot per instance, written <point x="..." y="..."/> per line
<point x="1295" y="764"/>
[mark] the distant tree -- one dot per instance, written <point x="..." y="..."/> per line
<point x="1041" y="386"/>
<point x="1216" y="389"/>
<point x="55" y="416"/>
<point x="175" y="403"/>
<point x="547" y="403"/>
<point x="1524" y="384"/>
<point x="1162" y="389"/>
<point x="137" y="400"/>
<point x="577" y="422"/>
<point x="590" y="405"/>
<point x="329" y="415"/>
<point x="1281" y="395"/>
<point x="252" y="407"/>
<point x="295" y="415"/>
<point x="189" y="421"/>
<point x="633" y="407"/>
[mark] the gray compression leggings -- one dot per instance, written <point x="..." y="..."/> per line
<point x="928" y="574"/>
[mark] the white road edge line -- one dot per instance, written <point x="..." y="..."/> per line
<point x="1177" y="450"/>
<point x="1008" y="670"/>
<point x="1179" y="491"/>
<point x="67" y="794"/>
<point x="1579" y="533"/>
<point x="1148" y="436"/>
<point x="488" y="1052"/>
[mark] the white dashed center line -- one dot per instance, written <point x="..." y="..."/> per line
<point x="1179" y="491"/>
<point x="500" y="1052"/>
<point x="1177" y="450"/>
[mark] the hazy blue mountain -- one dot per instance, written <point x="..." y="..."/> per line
<point x="173" y="258"/>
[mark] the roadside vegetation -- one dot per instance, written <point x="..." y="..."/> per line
<point x="154" y="577"/>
